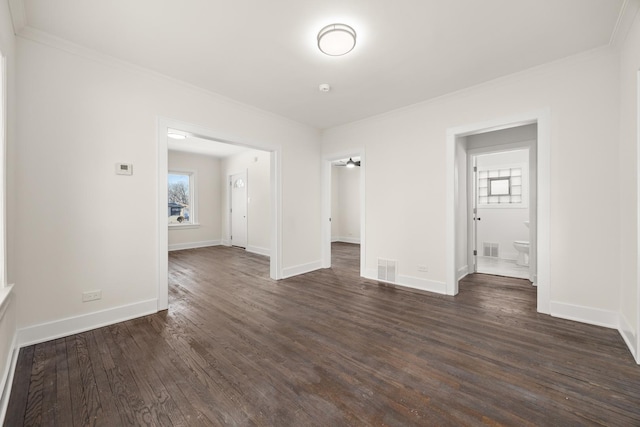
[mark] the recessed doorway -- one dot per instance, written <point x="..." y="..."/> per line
<point x="343" y="205"/>
<point x="260" y="156"/>
<point x="458" y="250"/>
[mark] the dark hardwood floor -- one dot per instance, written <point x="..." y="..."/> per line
<point x="328" y="349"/>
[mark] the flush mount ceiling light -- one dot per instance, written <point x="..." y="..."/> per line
<point x="336" y="39"/>
<point x="174" y="134"/>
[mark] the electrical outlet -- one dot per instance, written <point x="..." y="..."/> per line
<point x="423" y="268"/>
<point x="91" y="295"/>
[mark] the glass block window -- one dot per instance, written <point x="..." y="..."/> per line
<point x="500" y="186"/>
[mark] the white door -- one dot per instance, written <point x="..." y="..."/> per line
<point x="238" y="183"/>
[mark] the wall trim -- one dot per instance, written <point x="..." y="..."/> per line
<point x="301" y="269"/>
<point x="410" y="282"/>
<point x="194" y="245"/>
<point x="590" y="315"/>
<point x="462" y="272"/>
<point x="74" y="325"/>
<point x="258" y="250"/>
<point x="629" y="337"/>
<point x="7" y="377"/>
<point x="353" y="240"/>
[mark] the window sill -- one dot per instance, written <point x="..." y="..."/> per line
<point x="183" y="226"/>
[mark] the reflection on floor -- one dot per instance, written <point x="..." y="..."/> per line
<point x="502" y="267"/>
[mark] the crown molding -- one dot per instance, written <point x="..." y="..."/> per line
<point x="627" y="15"/>
<point x="18" y="15"/>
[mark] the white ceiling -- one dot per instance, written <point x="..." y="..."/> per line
<point x="264" y="53"/>
<point x="193" y="144"/>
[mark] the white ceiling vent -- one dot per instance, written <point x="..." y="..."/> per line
<point x="387" y="270"/>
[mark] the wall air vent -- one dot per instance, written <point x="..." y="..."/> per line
<point x="490" y="249"/>
<point x="387" y="270"/>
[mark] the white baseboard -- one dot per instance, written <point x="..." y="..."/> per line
<point x="258" y="250"/>
<point x="73" y="325"/>
<point x="354" y="240"/>
<point x="7" y="379"/>
<point x="226" y="242"/>
<point x="301" y="269"/>
<point x="194" y="245"/>
<point x="629" y="337"/>
<point x="410" y="282"/>
<point x="462" y="272"/>
<point x="592" y="316"/>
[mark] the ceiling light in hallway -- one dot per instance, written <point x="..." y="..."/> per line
<point x="336" y="39"/>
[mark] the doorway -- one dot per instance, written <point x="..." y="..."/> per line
<point x="500" y="202"/>
<point x="457" y="203"/>
<point x="350" y="166"/>
<point x="239" y="224"/>
<point x="272" y="162"/>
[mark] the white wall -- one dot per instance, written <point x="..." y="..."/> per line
<point x="504" y="224"/>
<point x="345" y="204"/>
<point x="628" y="182"/>
<point x="258" y="167"/>
<point x="406" y="191"/>
<point x="81" y="226"/>
<point x="209" y="198"/>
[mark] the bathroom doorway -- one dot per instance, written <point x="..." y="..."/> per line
<point x="500" y="217"/>
<point x="502" y="202"/>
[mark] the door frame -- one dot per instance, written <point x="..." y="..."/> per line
<point x="327" y="159"/>
<point x="543" y="154"/>
<point x="162" y="258"/>
<point x="230" y="206"/>
<point x="472" y="197"/>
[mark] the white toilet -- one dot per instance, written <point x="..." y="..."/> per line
<point x="523" y="252"/>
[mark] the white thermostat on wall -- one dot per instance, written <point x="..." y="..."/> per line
<point x="124" y="168"/>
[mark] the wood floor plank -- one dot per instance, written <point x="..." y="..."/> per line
<point x="79" y="412"/>
<point x="33" y="414"/>
<point x="103" y="391"/>
<point x="20" y="388"/>
<point x="49" y="390"/>
<point x="330" y="348"/>
<point x="64" y="413"/>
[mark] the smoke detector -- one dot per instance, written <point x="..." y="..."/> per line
<point x="324" y="87"/>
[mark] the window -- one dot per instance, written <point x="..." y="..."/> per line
<point x="500" y="186"/>
<point x="181" y="190"/>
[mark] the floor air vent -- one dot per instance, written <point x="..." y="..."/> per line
<point x="386" y="270"/>
<point x="490" y="249"/>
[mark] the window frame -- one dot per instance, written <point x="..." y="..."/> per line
<point x="524" y="183"/>
<point x="193" y="199"/>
